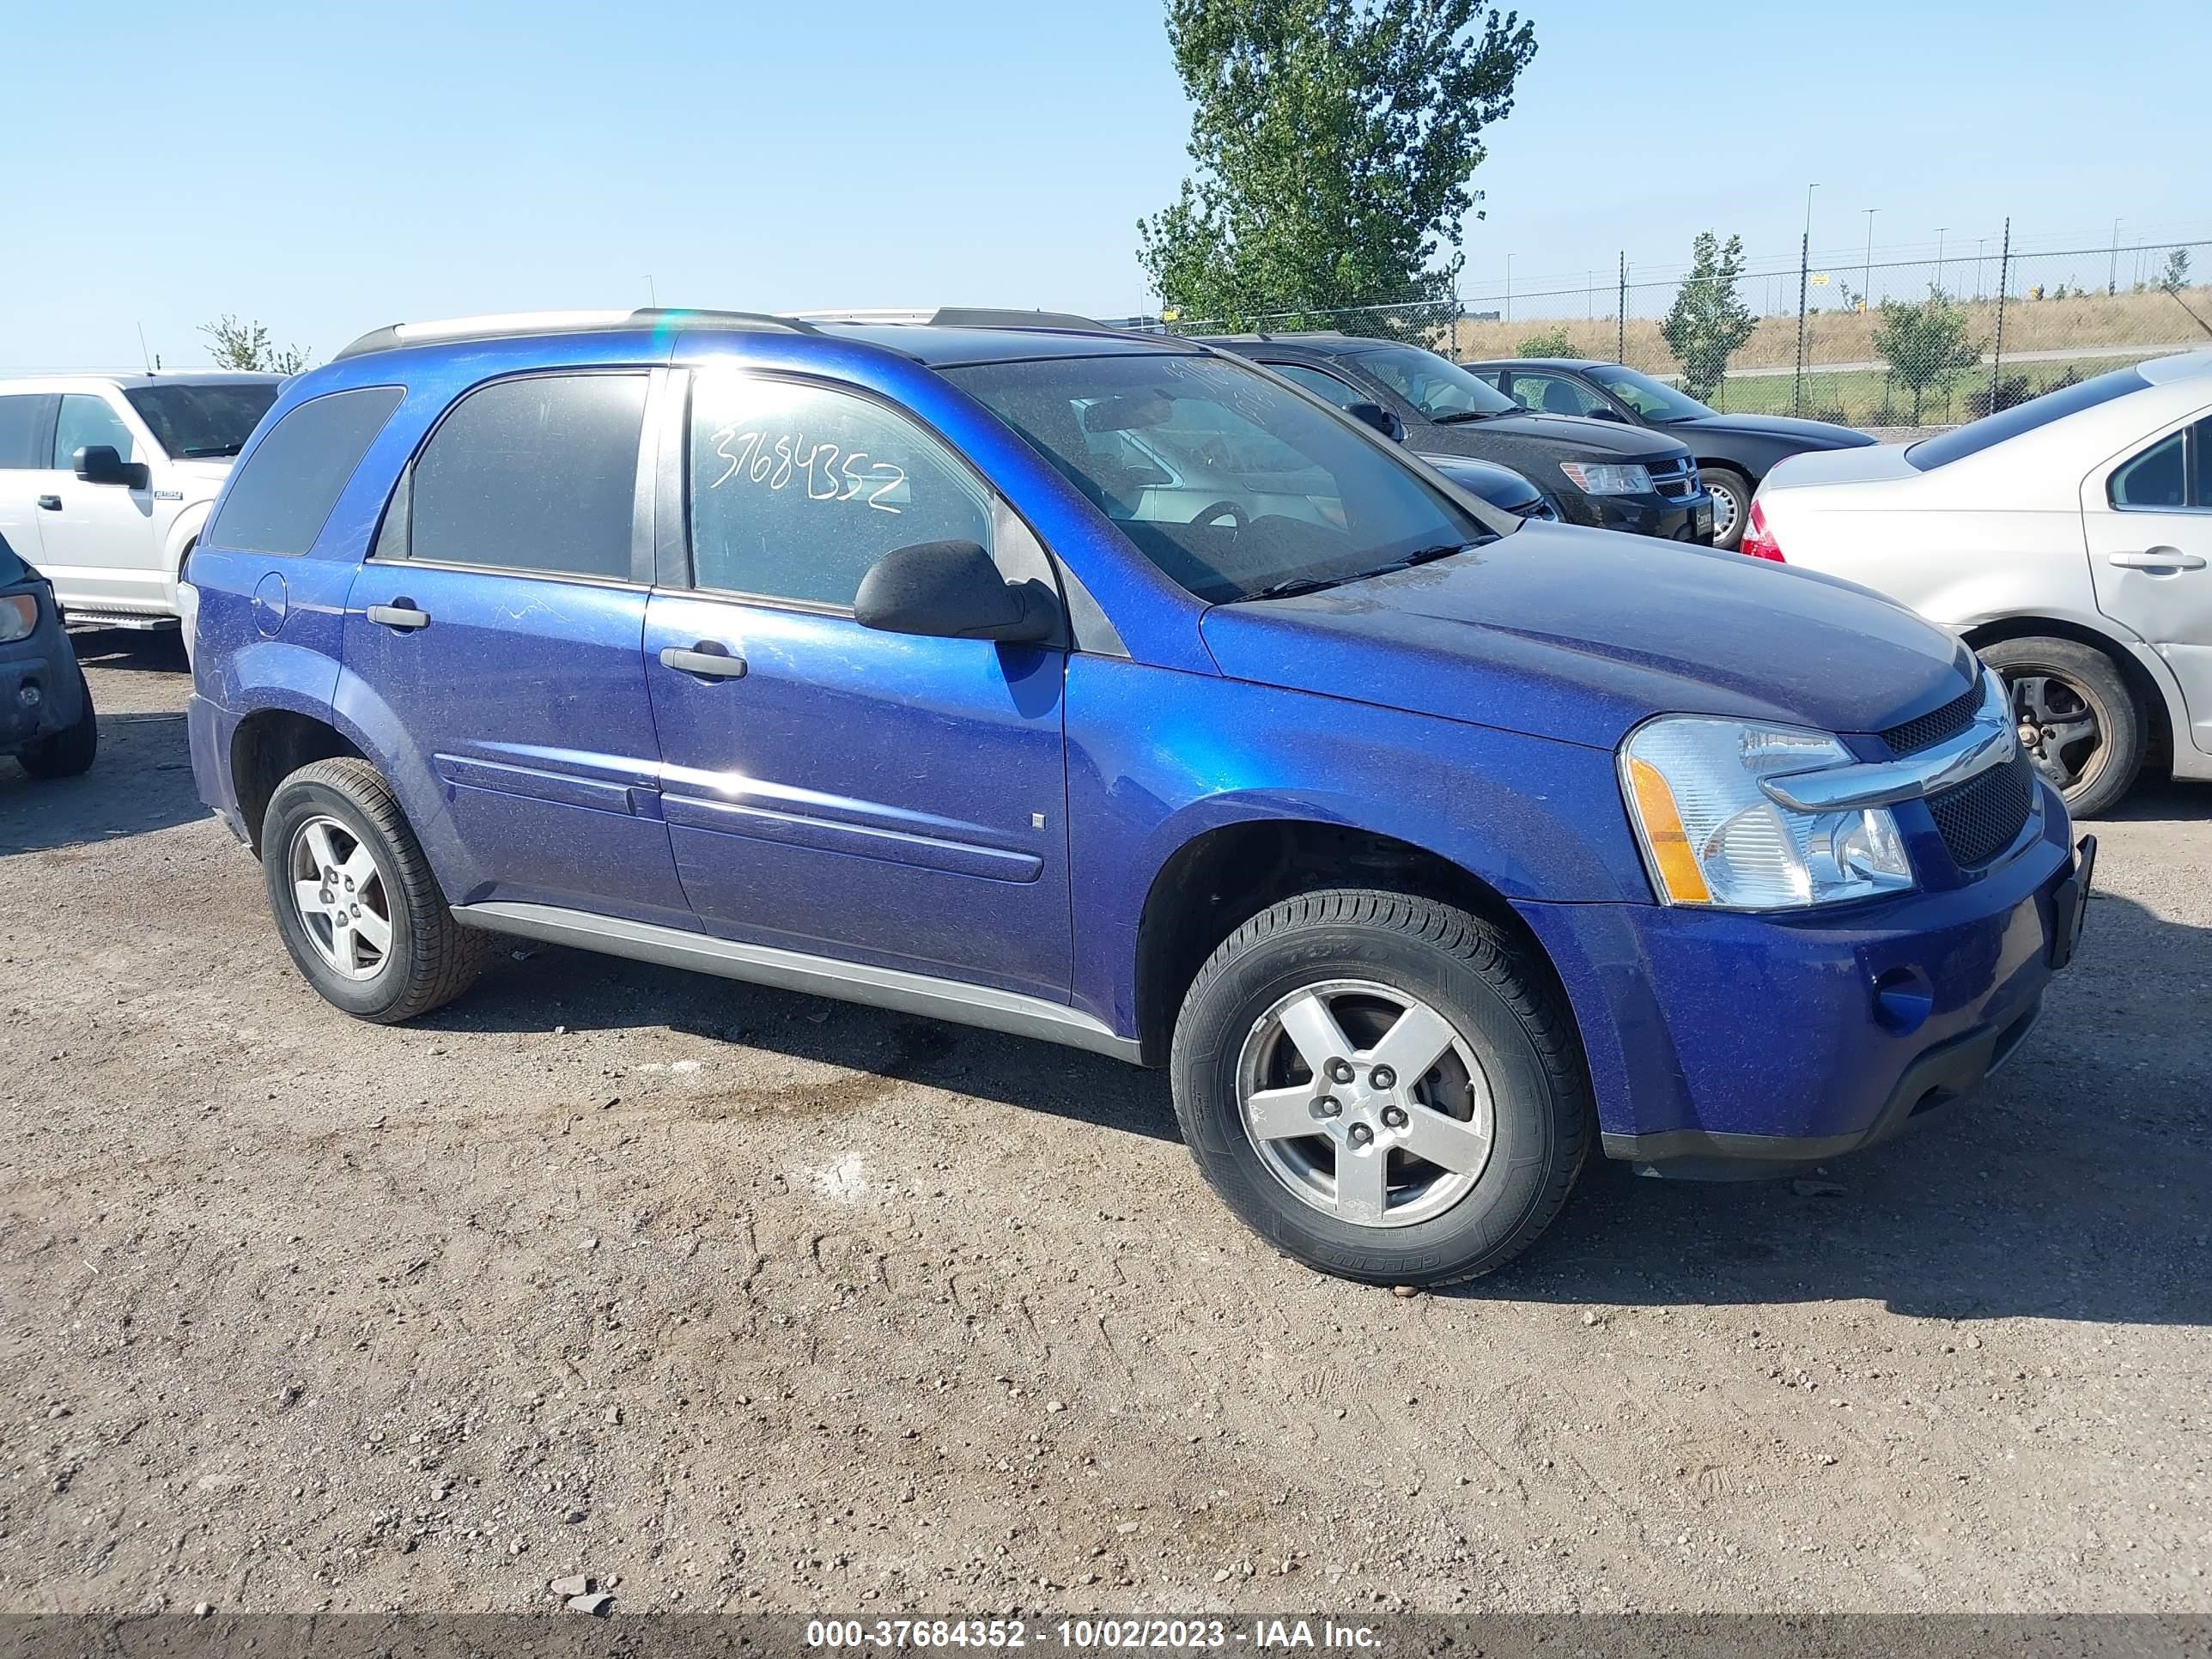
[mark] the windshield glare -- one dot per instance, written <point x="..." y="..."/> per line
<point x="1655" y="400"/>
<point x="1229" y="482"/>
<point x="1440" y="389"/>
<point x="202" y="420"/>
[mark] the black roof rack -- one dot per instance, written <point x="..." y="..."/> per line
<point x="1055" y="322"/>
<point x="521" y="324"/>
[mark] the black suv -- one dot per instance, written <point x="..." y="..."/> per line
<point x="1607" y="476"/>
<point x="1732" y="451"/>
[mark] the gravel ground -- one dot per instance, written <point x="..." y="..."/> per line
<point x="731" y="1298"/>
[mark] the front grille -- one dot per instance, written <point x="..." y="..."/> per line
<point x="1983" y="816"/>
<point x="1675" y="480"/>
<point x="1928" y="730"/>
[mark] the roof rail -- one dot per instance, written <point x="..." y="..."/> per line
<point x="516" y="324"/>
<point x="1057" y="322"/>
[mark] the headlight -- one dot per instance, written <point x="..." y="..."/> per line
<point x="1711" y="836"/>
<point x="19" y="615"/>
<point x="1609" y="478"/>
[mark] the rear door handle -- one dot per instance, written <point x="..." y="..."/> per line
<point x="402" y="616"/>
<point x="707" y="659"/>
<point x="2157" y="558"/>
<point x="51" y="503"/>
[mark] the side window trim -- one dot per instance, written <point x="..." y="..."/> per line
<point x="675" y="562"/>
<point x="393" y="543"/>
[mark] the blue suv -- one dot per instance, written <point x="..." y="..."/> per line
<point x="1114" y="690"/>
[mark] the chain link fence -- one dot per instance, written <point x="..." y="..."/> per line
<point x="1887" y="345"/>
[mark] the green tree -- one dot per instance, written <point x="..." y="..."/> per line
<point x="1334" y="144"/>
<point x="1709" y="321"/>
<point x="247" y="345"/>
<point x="2175" y="276"/>
<point x="1553" y="343"/>
<point x="1925" y="344"/>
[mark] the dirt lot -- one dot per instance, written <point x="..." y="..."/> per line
<point x="734" y="1298"/>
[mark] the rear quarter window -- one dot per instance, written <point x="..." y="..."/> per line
<point x="286" y="488"/>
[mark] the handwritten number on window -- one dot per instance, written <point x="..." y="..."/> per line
<point x="775" y="462"/>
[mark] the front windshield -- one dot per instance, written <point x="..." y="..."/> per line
<point x="1440" y="389"/>
<point x="1228" y="480"/>
<point x="1655" y="400"/>
<point x="202" y="420"/>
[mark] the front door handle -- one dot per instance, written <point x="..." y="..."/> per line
<point x="51" y="503"/>
<point x="403" y="615"/>
<point x="708" y="659"/>
<point x="2157" y="558"/>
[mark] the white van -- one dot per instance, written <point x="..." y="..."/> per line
<point x="106" y="480"/>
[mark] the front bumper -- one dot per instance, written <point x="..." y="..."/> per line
<point x="1678" y="519"/>
<point x="1722" y="1043"/>
<point x="44" y="662"/>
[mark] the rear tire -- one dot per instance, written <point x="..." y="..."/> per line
<point x="1329" y="1158"/>
<point x="71" y="750"/>
<point x="2078" y="717"/>
<point x="355" y="899"/>
<point x="1731" y="493"/>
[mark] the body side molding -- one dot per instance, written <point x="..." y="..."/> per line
<point x="795" y="970"/>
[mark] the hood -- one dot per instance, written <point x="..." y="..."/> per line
<point x="208" y="471"/>
<point x="1501" y="486"/>
<point x="1555" y="437"/>
<point x="1577" y="634"/>
<point x="1811" y="434"/>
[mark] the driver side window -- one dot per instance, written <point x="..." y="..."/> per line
<point x="797" y="490"/>
<point x="1555" y="394"/>
<point x="87" y="421"/>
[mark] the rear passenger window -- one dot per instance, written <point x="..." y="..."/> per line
<point x="23" y="432"/>
<point x="287" y="487"/>
<point x="796" y="490"/>
<point x="538" y="474"/>
<point x="2157" y="477"/>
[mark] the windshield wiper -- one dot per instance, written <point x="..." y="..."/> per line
<point x="1459" y="415"/>
<point x="1291" y="586"/>
<point x="210" y="451"/>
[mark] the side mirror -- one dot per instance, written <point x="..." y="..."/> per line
<point x="1379" y="418"/>
<point x="98" y="463"/>
<point x="1606" y="412"/>
<point x="951" y="591"/>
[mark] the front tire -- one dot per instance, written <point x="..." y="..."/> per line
<point x="71" y="750"/>
<point x="1731" y="494"/>
<point x="2078" y="718"/>
<point x="1382" y="1086"/>
<point x="355" y="899"/>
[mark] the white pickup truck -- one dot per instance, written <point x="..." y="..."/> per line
<point x="107" y="479"/>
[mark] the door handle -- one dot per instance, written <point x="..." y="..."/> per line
<point x="51" y="503"/>
<point x="403" y="615"/>
<point x="2157" y="558"/>
<point x="707" y="659"/>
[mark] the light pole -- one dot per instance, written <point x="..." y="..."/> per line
<point x="1940" y="230"/>
<point x="2112" y="274"/>
<point x="1509" y="287"/>
<point x="1866" y="279"/>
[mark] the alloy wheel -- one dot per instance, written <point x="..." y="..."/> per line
<point x="1366" y="1103"/>
<point x="342" y="898"/>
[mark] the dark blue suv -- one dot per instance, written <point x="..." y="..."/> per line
<point x="1114" y="690"/>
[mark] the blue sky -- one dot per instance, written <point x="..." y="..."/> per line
<point x="328" y="172"/>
